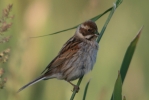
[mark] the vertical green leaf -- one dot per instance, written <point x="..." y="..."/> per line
<point x="85" y="91"/>
<point x="128" y="55"/>
<point x="117" y="94"/>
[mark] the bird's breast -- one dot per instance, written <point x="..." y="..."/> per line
<point x="81" y="62"/>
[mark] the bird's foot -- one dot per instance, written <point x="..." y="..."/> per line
<point x="76" y="88"/>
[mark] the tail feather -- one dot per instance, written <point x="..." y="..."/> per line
<point x="31" y="83"/>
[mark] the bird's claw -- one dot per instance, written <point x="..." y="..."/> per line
<point x="76" y="88"/>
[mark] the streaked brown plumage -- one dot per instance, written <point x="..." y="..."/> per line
<point x="76" y="57"/>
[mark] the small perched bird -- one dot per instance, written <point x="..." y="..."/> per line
<point x="76" y="58"/>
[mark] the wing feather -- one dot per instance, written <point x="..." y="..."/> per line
<point x="68" y="50"/>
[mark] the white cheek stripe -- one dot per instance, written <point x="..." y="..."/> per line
<point x="78" y="33"/>
<point x="88" y="36"/>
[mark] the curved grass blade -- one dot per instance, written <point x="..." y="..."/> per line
<point x="85" y="91"/>
<point x="118" y="2"/>
<point x="117" y="94"/>
<point x="93" y="19"/>
<point x="128" y="55"/>
<point x="56" y="32"/>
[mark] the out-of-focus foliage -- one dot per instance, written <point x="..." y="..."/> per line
<point x="2" y="79"/>
<point x="30" y="56"/>
<point x="4" y="26"/>
<point x="4" y="55"/>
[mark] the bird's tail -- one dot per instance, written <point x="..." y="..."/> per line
<point x="31" y="83"/>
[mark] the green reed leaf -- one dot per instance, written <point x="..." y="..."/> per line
<point x="128" y="55"/>
<point x="117" y="94"/>
<point x="85" y="91"/>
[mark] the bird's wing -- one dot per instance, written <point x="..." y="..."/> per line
<point x="67" y="51"/>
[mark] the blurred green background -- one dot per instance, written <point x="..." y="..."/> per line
<point x="29" y="57"/>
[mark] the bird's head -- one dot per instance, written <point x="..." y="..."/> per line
<point x="87" y="30"/>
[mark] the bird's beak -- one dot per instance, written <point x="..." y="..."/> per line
<point x="97" y="33"/>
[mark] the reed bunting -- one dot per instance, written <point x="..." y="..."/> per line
<point x="76" y="58"/>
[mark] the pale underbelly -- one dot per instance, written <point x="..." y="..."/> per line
<point x="79" y="65"/>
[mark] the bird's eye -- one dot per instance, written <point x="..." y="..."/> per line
<point x="89" y="30"/>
